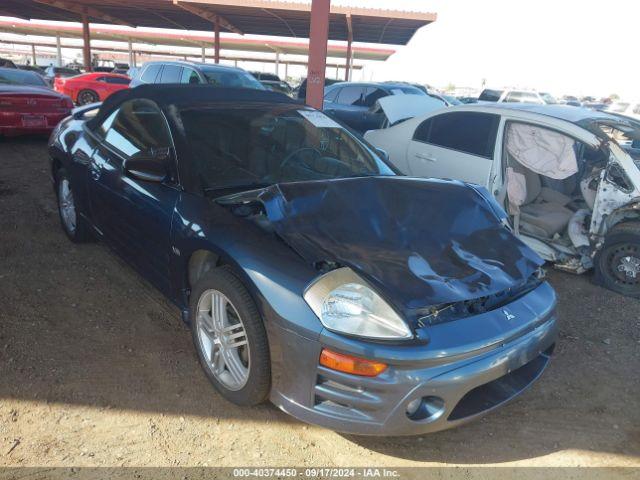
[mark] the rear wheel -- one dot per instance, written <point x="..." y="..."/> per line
<point x="618" y="263"/>
<point x="73" y="225"/>
<point x="230" y="338"/>
<point x="87" y="96"/>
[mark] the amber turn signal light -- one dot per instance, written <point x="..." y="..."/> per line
<point x="349" y="364"/>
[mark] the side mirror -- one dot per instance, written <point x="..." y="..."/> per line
<point x="382" y="154"/>
<point x="148" y="166"/>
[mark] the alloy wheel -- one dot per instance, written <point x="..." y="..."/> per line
<point x="87" y="97"/>
<point x="223" y="340"/>
<point x="67" y="205"/>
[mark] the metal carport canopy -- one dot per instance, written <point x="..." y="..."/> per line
<point x="186" y="39"/>
<point x="259" y="17"/>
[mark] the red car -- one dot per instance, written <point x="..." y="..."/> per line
<point x="91" y="87"/>
<point x="28" y="105"/>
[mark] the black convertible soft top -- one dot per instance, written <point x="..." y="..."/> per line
<point x="177" y="94"/>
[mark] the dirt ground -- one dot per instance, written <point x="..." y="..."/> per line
<point x="96" y="369"/>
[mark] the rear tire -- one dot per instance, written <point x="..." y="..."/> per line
<point x="618" y="262"/>
<point x="73" y="225"/>
<point x="231" y="345"/>
<point x="86" y="97"/>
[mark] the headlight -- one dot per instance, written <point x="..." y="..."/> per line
<point x="347" y="304"/>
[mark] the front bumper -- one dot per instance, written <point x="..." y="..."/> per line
<point x="451" y="387"/>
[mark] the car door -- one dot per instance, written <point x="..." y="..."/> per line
<point x="100" y="86"/>
<point x="116" y="83"/>
<point x="458" y="145"/>
<point x="372" y="120"/>
<point x="349" y="106"/>
<point x="134" y="215"/>
<point x="170" y="74"/>
<point x="190" y="76"/>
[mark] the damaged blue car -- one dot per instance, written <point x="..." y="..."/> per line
<point x="311" y="274"/>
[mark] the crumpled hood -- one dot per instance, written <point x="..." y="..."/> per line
<point x="419" y="242"/>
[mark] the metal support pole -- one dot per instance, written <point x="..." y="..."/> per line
<point x="278" y="63"/>
<point x="86" y="42"/>
<point x="58" y="51"/>
<point x="349" y="59"/>
<point x="235" y="63"/>
<point x="135" y="60"/>
<point x="34" y="59"/>
<point x="131" y="61"/>
<point x="351" y="69"/>
<point x="286" y="70"/>
<point x="204" y="56"/>
<point x="217" y="40"/>
<point x="318" y="36"/>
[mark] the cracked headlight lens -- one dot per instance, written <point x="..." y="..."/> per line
<point x="344" y="303"/>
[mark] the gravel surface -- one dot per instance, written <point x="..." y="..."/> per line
<point x="96" y="369"/>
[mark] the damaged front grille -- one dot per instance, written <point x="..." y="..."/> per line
<point x="467" y="308"/>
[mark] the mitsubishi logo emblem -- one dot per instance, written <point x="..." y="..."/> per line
<point x="508" y="315"/>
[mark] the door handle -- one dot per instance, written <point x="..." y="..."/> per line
<point x="422" y="156"/>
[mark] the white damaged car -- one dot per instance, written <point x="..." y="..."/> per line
<point x="571" y="191"/>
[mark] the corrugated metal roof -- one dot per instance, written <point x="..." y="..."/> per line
<point x="260" y="17"/>
<point x="188" y="39"/>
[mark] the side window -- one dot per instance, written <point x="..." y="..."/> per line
<point x="469" y="132"/>
<point x="513" y="97"/>
<point x="100" y="79"/>
<point x="139" y="126"/>
<point x="372" y="95"/>
<point x="351" y="96"/>
<point x="523" y="97"/>
<point x="422" y="132"/>
<point x="101" y="131"/>
<point x="150" y="73"/>
<point x="170" y="74"/>
<point x="189" y="75"/>
<point x="331" y="96"/>
<point x="117" y="80"/>
<point x="489" y="95"/>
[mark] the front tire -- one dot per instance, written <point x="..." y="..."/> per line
<point x="618" y="263"/>
<point x="73" y="225"/>
<point x="86" y="97"/>
<point x="230" y="338"/>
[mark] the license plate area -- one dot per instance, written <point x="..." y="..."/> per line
<point x="34" y="121"/>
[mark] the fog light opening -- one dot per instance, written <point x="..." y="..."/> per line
<point x="425" y="408"/>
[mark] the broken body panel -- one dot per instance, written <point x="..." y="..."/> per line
<point x="615" y="185"/>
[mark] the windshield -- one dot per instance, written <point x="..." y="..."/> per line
<point x="231" y="78"/>
<point x="259" y="145"/>
<point x="21" y="77"/>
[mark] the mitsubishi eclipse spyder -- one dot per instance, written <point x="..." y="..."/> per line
<point x="311" y="273"/>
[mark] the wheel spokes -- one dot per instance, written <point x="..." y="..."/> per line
<point x="235" y="368"/>
<point x="218" y="311"/>
<point x="236" y="340"/>
<point x="224" y="345"/>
